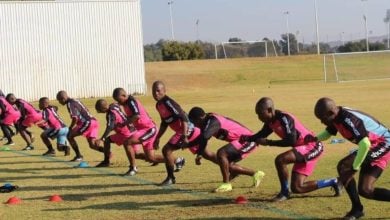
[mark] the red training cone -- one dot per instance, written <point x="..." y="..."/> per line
<point x="55" y="198"/>
<point x="14" y="201"/>
<point x="241" y="200"/>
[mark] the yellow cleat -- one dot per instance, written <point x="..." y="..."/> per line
<point x="224" y="187"/>
<point x="257" y="178"/>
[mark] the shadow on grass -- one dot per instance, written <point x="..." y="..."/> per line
<point x="28" y="162"/>
<point x="293" y="197"/>
<point x="150" y="205"/>
<point x="234" y="218"/>
<point x="77" y="187"/>
<point x="129" y="192"/>
<point x="70" y="176"/>
<point x="33" y="170"/>
<point x="8" y="157"/>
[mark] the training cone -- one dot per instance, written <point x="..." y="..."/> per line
<point x="83" y="164"/>
<point x="55" y="198"/>
<point x="241" y="200"/>
<point x="8" y="185"/>
<point x="14" y="201"/>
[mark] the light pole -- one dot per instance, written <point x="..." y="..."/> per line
<point x="197" y="29"/>
<point x="365" y="26"/>
<point x="317" y="31"/>
<point x="288" y="32"/>
<point x="387" y="20"/>
<point x="388" y="34"/>
<point x="342" y="38"/>
<point x="170" y="13"/>
<point x="297" y="33"/>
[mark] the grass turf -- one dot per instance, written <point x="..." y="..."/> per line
<point x="229" y="87"/>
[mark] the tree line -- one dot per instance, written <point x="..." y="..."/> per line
<point x="166" y="50"/>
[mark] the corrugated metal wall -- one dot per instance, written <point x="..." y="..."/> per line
<point x="84" y="47"/>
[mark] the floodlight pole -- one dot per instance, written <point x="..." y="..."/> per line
<point x="342" y="38"/>
<point x="197" y="30"/>
<point x="297" y="33"/>
<point x="170" y="13"/>
<point x="365" y="26"/>
<point x="288" y="33"/>
<point x="317" y="30"/>
<point x="388" y="34"/>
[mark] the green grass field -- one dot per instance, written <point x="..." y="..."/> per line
<point x="229" y="87"/>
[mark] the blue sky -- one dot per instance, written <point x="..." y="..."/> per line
<point x="254" y="19"/>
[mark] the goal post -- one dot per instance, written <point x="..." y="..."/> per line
<point x="244" y="49"/>
<point x="356" y="66"/>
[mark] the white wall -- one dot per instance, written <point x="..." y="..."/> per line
<point x="84" y="47"/>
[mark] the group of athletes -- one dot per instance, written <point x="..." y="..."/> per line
<point x="134" y="129"/>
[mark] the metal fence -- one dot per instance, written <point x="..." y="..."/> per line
<point x="84" y="47"/>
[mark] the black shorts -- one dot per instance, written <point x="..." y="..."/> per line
<point x="235" y="155"/>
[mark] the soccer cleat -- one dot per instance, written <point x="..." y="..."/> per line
<point x="353" y="214"/>
<point x="67" y="151"/>
<point x="103" y="164"/>
<point x="180" y="161"/>
<point x="168" y="181"/>
<point x="77" y="159"/>
<point x="281" y="197"/>
<point x="224" y="187"/>
<point x="131" y="172"/>
<point x="337" y="188"/>
<point x="50" y="153"/>
<point x="29" y="147"/>
<point x="10" y="143"/>
<point x="257" y="178"/>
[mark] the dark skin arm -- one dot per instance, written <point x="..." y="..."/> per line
<point x="290" y="138"/>
<point x="161" y="131"/>
<point x="73" y="123"/>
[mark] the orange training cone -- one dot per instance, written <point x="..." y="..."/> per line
<point x="55" y="198"/>
<point x="14" y="201"/>
<point x="241" y="200"/>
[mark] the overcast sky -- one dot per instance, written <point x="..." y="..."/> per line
<point x="254" y="19"/>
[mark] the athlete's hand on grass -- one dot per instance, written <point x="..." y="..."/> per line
<point x="197" y="160"/>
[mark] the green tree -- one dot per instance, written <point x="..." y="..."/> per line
<point x="293" y="44"/>
<point x="234" y="39"/>
<point x="361" y="46"/>
<point x="174" y="50"/>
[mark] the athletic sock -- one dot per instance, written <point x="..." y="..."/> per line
<point x="381" y="194"/>
<point x="50" y="147"/>
<point x="285" y="189"/>
<point x="6" y="132"/>
<point x="326" y="183"/>
<point x="76" y="150"/>
<point x="354" y="195"/>
<point x="170" y="170"/>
